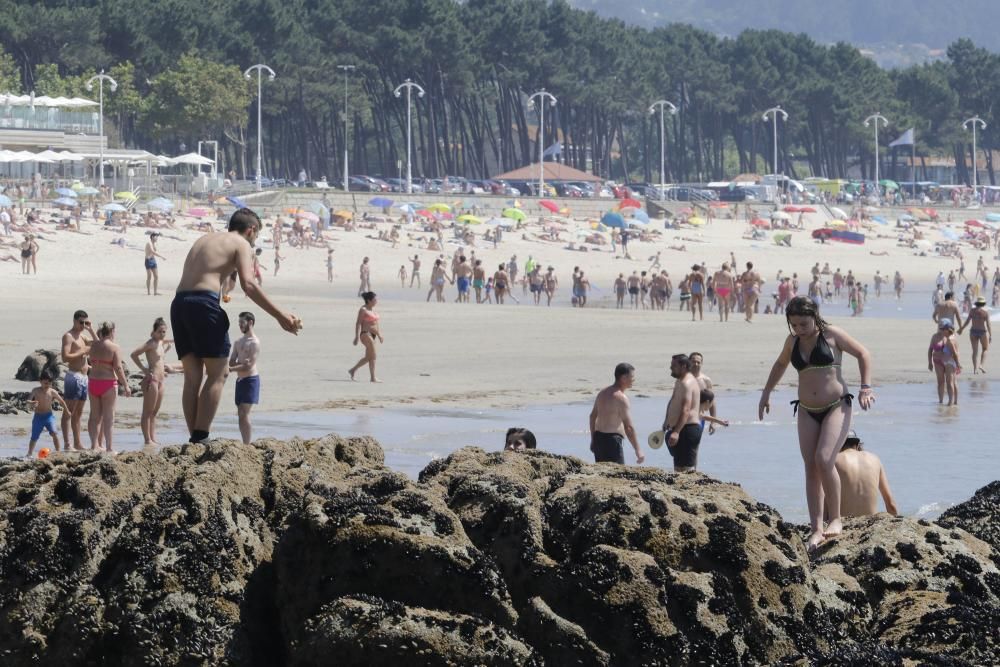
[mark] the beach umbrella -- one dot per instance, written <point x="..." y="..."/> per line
<point x="974" y="223"/>
<point x="629" y="203"/>
<point x="88" y="191"/>
<point x="551" y="206"/>
<point x="409" y="209"/>
<point x="236" y="201"/>
<point x="318" y="208"/>
<point x="469" y="219"/>
<point x="718" y="204"/>
<point x="5" y="201"/>
<point x="513" y="214"/>
<point x="439" y="208"/>
<point x="949" y="234"/>
<point x="65" y="201"/>
<point x="114" y="207"/>
<point x="380" y="202"/>
<point x="346" y="215"/>
<point x="880" y="220"/>
<point x="77" y="186"/>
<point x="780" y="215"/>
<point x="291" y="210"/>
<point x="993" y="217"/>
<point x="641" y="216"/>
<point x="760" y="222"/>
<point x="307" y="215"/>
<point x="837" y="212"/>
<point x="613" y="220"/>
<point x="445" y="216"/>
<point x="696" y="221"/>
<point x="195" y="212"/>
<point x="888" y="184"/>
<point x="806" y="209"/>
<point x="792" y="209"/>
<point x="837" y="224"/>
<point x="66" y="192"/>
<point x="424" y="213"/>
<point x="161" y="203"/>
<point x="906" y="217"/>
<point x="125" y="194"/>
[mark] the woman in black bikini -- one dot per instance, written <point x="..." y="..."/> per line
<point x="815" y="348"/>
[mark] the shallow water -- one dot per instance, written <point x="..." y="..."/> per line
<point x="934" y="456"/>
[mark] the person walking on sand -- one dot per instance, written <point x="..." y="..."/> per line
<point x="611" y="420"/>
<point x="329" y="264"/>
<point x="724" y="284"/>
<point x="551" y="282"/>
<point x="502" y="281"/>
<point x="201" y="326"/>
<point x="897" y="285"/>
<point x="152" y="272"/>
<point x="752" y="282"/>
<point x="154" y="374"/>
<point x="948" y="309"/>
<point x="402" y="276"/>
<point x="862" y="480"/>
<point x="682" y="423"/>
<point x="415" y="271"/>
<point x="825" y="402"/>
<point x="438" y="277"/>
<point x="41" y="399"/>
<point x="620" y="287"/>
<point x="366" y="329"/>
<point x="243" y="362"/>
<point x="980" y="333"/>
<point x="942" y="358"/>
<point x="106" y="373"/>
<point x="365" y="275"/>
<point x="478" y="279"/>
<point x="696" y="283"/>
<point x="463" y="278"/>
<point x="75" y="347"/>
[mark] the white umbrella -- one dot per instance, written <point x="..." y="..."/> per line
<point x="191" y="158"/>
<point x="838" y="213"/>
<point x="780" y="215"/>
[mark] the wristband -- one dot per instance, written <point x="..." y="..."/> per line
<point x="866" y="386"/>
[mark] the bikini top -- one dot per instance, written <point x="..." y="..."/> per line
<point x="369" y="316"/>
<point x="820" y="357"/>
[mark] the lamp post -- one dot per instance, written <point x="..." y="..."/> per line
<point x="876" y="118"/>
<point x="100" y="79"/>
<point x="346" y="68"/>
<point x="975" y="121"/>
<point x="774" y="112"/>
<point x="542" y="96"/>
<point x="409" y="86"/>
<point x="270" y="75"/>
<point x="673" y="110"/>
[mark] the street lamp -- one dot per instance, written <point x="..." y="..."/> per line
<point x="409" y="86"/>
<point x="673" y="110"/>
<point x="876" y="117"/>
<point x="542" y="96"/>
<point x="100" y="79"/>
<point x="774" y="113"/>
<point x="270" y="75"/>
<point x="976" y="121"/>
<point x="346" y="68"/>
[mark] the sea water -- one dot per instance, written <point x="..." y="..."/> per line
<point x="934" y="456"/>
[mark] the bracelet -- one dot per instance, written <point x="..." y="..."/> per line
<point x="866" y="386"/>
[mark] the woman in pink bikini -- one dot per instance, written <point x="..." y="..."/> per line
<point x="366" y="329"/>
<point x="105" y="374"/>
<point x="942" y="358"/>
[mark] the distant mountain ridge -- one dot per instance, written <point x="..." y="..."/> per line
<point x="877" y="25"/>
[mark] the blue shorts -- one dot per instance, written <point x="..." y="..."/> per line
<point x="75" y="386"/>
<point x="201" y="326"/>
<point x="463" y="285"/>
<point x="150" y="262"/>
<point x="42" y="422"/>
<point x="248" y="390"/>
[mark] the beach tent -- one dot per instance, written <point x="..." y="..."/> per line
<point x="554" y="171"/>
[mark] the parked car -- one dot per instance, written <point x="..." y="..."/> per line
<point x="375" y="184"/>
<point x="689" y="193"/>
<point x="361" y="184"/>
<point x="735" y="194"/>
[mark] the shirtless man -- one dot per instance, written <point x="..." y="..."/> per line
<point x="611" y="420"/>
<point x="980" y="333"/>
<point x="584" y="288"/>
<point x="862" y="479"/>
<point x="534" y="280"/>
<point x="619" y="288"/>
<point x="949" y="308"/>
<point x="751" y="290"/>
<point x="75" y="346"/>
<point x="724" y="283"/>
<point x="415" y="271"/>
<point x="463" y="276"/>
<point x="897" y="285"/>
<point x="633" y="289"/>
<point x="682" y="420"/>
<point x="365" y="275"/>
<point x="502" y="281"/>
<point x="704" y="384"/>
<point x="201" y="327"/>
<point x="478" y="279"/>
<point x="243" y="362"/>
<point x="152" y="273"/>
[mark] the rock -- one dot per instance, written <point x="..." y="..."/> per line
<point x="14" y="402"/>
<point x="979" y="516"/>
<point x="36" y="362"/>
<point x="311" y="552"/>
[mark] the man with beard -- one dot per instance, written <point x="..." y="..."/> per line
<point x="682" y="421"/>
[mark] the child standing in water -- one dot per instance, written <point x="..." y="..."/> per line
<point x="42" y="397"/>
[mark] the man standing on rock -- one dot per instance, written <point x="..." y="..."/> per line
<point x="201" y="326"/>
<point x="243" y="362"/>
<point x="75" y="347"/>
<point x="682" y="422"/>
<point x="611" y="420"/>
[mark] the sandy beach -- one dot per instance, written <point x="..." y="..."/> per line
<point x="465" y="355"/>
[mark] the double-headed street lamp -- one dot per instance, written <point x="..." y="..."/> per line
<point x="542" y="96"/>
<point x="673" y="110"/>
<point x="408" y="86"/>
<point x="876" y="118"/>
<point x="100" y="79"/>
<point x="975" y="121"/>
<point x="346" y="68"/>
<point x="261" y="68"/>
<point x="774" y="112"/>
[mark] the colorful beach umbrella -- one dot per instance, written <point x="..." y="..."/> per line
<point x="87" y="191"/>
<point x="837" y="212"/>
<point x="160" y="203"/>
<point x="760" y="222"/>
<point x="126" y="195"/>
<point x="949" y="234"/>
<point x="629" y="203"/>
<point x="65" y="201"/>
<point x="380" y="202"/>
<point x="469" y="219"/>
<point x="550" y="206"/>
<point x="424" y="213"/>
<point x="993" y="217"/>
<point x="641" y="216"/>
<point x="114" y="207"/>
<point x="974" y="223"/>
<point x="66" y="192"/>
<point x="513" y="214"/>
<point x="439" y="208"/>
<point x="346" y="215"/>
<point x="613" y="220"/>
<point x="696" y="221"/>
<point x="307" y="215"/>
<point x="236" y="201"/>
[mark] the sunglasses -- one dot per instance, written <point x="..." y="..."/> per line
<point x="85" y="323"/>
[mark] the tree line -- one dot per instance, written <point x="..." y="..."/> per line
<point x="179" y="67"/>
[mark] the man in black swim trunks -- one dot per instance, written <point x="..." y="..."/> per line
<point x="683" y="415"/>
<point x="611" y="420"/>
<point x="200" y="325"/>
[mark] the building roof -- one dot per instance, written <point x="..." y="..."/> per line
<point x="554" y="171"/>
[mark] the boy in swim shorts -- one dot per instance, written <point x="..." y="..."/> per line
<point x="42" y="397"/>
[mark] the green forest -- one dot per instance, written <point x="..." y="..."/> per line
<point x="179" y="65"/>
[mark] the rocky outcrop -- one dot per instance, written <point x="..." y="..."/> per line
<point x="978" y="515"/>
<point x="307" y="552"/>
<point x="14" y="402"/>
<point x="37" y="362"/>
